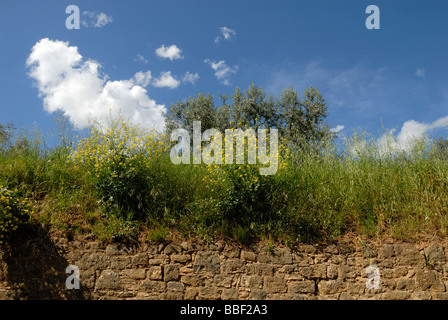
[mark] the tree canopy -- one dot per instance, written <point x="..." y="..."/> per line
<point x="301" y="121"/>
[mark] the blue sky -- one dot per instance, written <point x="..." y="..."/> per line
<point x="142" y="56"/>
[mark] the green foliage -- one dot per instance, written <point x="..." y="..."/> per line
<point x="300" y="121"/>
<point x="120" y="162"/>
<point x="119" y="182"/>
<point x="15" y="210"/>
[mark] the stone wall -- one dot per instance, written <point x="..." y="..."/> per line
<point x="34" y="268"/>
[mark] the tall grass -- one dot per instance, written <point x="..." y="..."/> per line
<point x="119" y="184"/>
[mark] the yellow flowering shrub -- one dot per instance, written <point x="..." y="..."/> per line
<point x="244" y="195"/>
<point x="15" y="211"/>
<point x="119" y="160"/>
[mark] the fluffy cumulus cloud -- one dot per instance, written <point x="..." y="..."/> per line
<point x="97" y="20"/>
<point x="172" y="52"/>
<point x="222" y="71"/>
<point x="142" y="78"/>
<point x="190" y="77"/>
<point x="409" y="134"/>
<point x="225" y="33"/>
<point x="166" y="80"/>
<point x="68" y="82"/>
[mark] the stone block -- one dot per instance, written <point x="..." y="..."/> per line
<point x="229" y="294"/>
<point x="257" y="295"/>
<point x="153" y="285"/>
<point x="274" y="284"/>
<point x="429" y="280"/>
<point x="232" y="266"/>
<point x="155" y="273"/>
<point x="330" y="287"/>
<point x="140" y="259"/>
<point x="136" y="274"/>
<point x="206" y="261"/>
<point x="252" y="281"/>
<point x="209" y="293"/>
<point x="170" y="272"/>
<point x="306" y="286"/>
<point x="222" y="281"/>
<point x="108" y="280"/>
<point x="248" y="255"/>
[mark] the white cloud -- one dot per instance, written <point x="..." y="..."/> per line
<point x="166" y="80"/>
<point x="190" y="77"/>
<point x="409" y="134"/>
<point x="142" y="78"/>
<point x="141" y="58"/>
<point x="420" y="72"/>
<point x="102" y="19"/>
<point x="225" y="33"/>
<point x="337" y="129"/>
<point x="222" y="70"/>
<point x="172" y="52"/>
<point x="95" y="20"/>
<point x="69" y="83"/>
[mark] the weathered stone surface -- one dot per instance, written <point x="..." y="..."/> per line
<point x="262" y="269"/>
<point x="192" y="280"/>
<point x="232" y="266"/>
<point x="274" y="284"/>
<point x="406" y="284"/>
<point x="155" y="273"/>
<point x="87" y="279"/>
<point x="408" y="255"/>
<point x="155" y="286"/>
<point x="175" y="286"/>
<point x="170" y="272"/>
<point x="330" y="286"/>
<point x="252" y="282"/>
<point x="346" y="296"/>
<point x="191" y="293"/>
<point x="306" y="286"/>
<point x="435" y="254"/>
<point x="396" y="295"/>
<point x="140" y="259"/>
<point x="209" y="293"/>
<point x="172" y="248"/>
<point x="332" y="271"/>
<point x="231" y="252"/>
<point x="120" y="262"/>
<point x="195" y="271"/>
<point x="134" y="273"/>
<point x="421" y="295"/>
<point x="223" y="280"/>
<point x="172" y="295"/>
<point x="93" y="261"/>
<point x="248" y="255"/>
<point x="318" y="271"/>
<point x="229" y="294"/>
<point x="108" y="280"/>
<point x="387" y="251"/>
<point x="207" y="261"/>
<point x="181" y="258"/>
<point x="257" y="295"/>
<point x="429" y="280"/>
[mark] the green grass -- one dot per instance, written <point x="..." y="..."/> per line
<point x="313" y="197"/>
